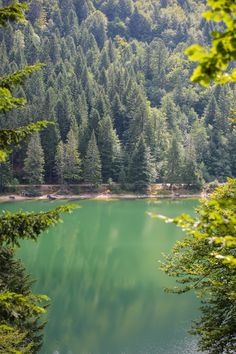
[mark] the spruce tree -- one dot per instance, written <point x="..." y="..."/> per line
<point x="92" y="163"/>
<point x="34" y="161"/>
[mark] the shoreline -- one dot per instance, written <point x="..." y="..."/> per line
<point x="100" y="196"/>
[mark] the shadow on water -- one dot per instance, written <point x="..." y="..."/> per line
<point x="101" y="270"/>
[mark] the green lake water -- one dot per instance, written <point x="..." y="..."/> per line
<point x="101" y="270"/>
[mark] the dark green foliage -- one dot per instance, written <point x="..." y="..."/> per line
<point x="20" y="309"/>
<point x="34" y="161"/>
<point x="131" y="94"/>
<point x="10" y="137"/>
<point x="49" y="140"/>
<point x="175" y="158"/>
<point x="92" y="163"/>
<point x="72" y="162"/>
<point x="123" y="60"/>
<point x="67" y="160"/>
<point x="191" y="170"/>
<point x="205" y="261"/>
<point x="14" y="12"/>
<point x="6" y="175"/>
<point x="141" y="167"/>
<point x="18" y="306"/>
<point x="19" y="77"/>
<point x="108" y="144"/>
<point x="140" y="26"/>
<point x="60" y="163"/>
<point x="27" y="225"/>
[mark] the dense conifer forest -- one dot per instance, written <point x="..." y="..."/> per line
<point x="116" y="86"/>
<point x="117" y="105"/>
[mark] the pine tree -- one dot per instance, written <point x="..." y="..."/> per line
<point x="92" y="162"/>
<point x="34" y="161"/>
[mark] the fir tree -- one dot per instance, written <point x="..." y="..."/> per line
<point x="34" y="161"/>
<point x="92" y="163"/>
<point x="191" y="170"/>
<point x="141" y="167"/>
<point x="6" y="175"/>
<point x="49" y="139"/>
<point x="108" y="144"/>
<point x="72" y="162"/>
<point x="60" y="163"/>
<point x="175" y="162"/>
<point x="89" y="76"/>
<point x="20" y="330"/>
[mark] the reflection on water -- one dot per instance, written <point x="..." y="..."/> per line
<point x="100" y="268"/>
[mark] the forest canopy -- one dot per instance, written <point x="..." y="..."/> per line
<point x="116" y="74"/>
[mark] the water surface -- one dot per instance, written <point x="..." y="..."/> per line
<point x="101" y="270"/>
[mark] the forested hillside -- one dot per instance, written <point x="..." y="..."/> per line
<point x="116" y="85"/>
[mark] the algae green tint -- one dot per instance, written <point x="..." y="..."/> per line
<point x="101" y="270"/>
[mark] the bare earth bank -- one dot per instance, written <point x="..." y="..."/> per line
<point x="100" y="196"/>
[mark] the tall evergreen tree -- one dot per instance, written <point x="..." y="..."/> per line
<point x="50" y="138"/>
<point x="191" y="170"/>
<point x="92" y="163"/>
<point x="6" y="174"/>
<point x="20" y="330"/>
<point x="174" y="169"/>
<point x="72" y="162"/>
<point x="108" y="144"/>
<point x="141" y="167"/>
<point x="89" y="76"/>
<point x="34" y="161"/>
<point x="60" y="162"/>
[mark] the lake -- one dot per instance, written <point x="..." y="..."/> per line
<point x="101" y="270"/>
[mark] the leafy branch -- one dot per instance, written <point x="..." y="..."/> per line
<point x="18" y="77"/>
<point x="21" y="225"/>
<point x="213" y="64"/>
<point x="12" y="13"/>
<point x="10" y="137"/>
